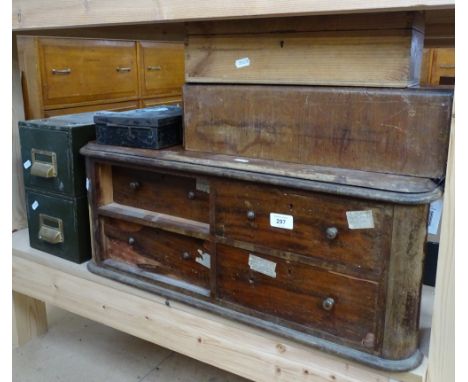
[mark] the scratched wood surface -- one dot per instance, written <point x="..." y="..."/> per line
<point x="380" y="130"/>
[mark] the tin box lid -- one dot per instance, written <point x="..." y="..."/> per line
<point x="61" y="122"/>
<point x="148" y="117"/>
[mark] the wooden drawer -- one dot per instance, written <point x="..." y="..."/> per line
<point x="342" y="306"/>
<point x="181" y="196"/>
<point x="147" y="102"/>
<point x="243" y="214"/>
<point x="161" y="68"/>
<point x="118" y="106"/>
<point x="76" y="71"/>
<point x="165" y="257"/>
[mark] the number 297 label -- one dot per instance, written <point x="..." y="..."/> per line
<point x="281" y="221"/>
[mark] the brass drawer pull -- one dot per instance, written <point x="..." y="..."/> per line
<point x="134" y="185"/>
<point x="50" y="229"/>
<point x="328" y="304"/>
<point x="151" y="68"/>
<point x="61" y="71"/>
<point x="44" y="163"/>
<point x="120" y="69"/>
<point x="332" y="233"/>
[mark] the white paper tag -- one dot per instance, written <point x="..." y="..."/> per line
<point x="27" y="164"/>
<point x="263" y="266"/>
<point x="202" y="185"/>
<point x="35" y="205"/>
<point x="204" y="259"/>
<point x="281" y="221"/>
<point x="242" y="62"/>
<point x="360" y="219"/>
<point x="435" y="212"/>
<point x="88" y="184"/>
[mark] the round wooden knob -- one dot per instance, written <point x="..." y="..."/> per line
<point x="131" y="240"/>
<point x="332" y="233"/>
<point x="328" y="303"/>
<point x="250" y="215"/>
<point x="134" y="185"/>
<point x="191" y="195"/>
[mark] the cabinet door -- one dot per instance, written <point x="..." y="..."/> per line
<point x="161" y="68"/>
<point x="76" y="71"/>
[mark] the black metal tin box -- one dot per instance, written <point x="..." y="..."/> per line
<point x="149" y="128"/>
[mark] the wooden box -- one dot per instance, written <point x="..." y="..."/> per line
<point x="345" y="50"/>
<point x="398" y="131"/>
<point x="332" y="258"/>
<point x="150" y="128"/>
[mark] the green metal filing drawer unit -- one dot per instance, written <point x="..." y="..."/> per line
<point x="55" y="183"/>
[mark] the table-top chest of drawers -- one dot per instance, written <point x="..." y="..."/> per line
<point x="329" y="257"/>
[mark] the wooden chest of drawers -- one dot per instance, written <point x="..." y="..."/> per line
<point x="323" y="262"/>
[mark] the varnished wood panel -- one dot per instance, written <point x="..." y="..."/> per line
<point x="160" y="192"/>
<point x="148" y="102"/>
<point x="98" y="70"/>
<point x="161" y="68"/>
<point x="118" y="106"/>
<point x="296" y="294"/>
<point x="389" y="58"/>
<point x="362" y="250"/>
<point x="381" y="130"/>
<point x="157" y="252"/>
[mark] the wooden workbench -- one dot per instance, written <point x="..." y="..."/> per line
<point x="39" y="278"/>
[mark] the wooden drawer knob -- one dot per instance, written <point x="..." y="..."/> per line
<point x="191" y="195"/>
<point x="250" y="215"/>
<point x="131" y="240"/>
<point x="134" y="185"/>
<point x="328" y="304"/>
<point x="332" y="233"/>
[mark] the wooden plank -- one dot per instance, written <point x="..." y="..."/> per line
<point x="30" y="318"/>
<point x="442" y="346"/>
<point x="232" y="346"/>
<point x="389" y="58"/>
<point x="36" y="14"/>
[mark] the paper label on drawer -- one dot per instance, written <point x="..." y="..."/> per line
<point x="204" y="259"/>
<point x="27" y="164"/>
<point x="435" y="212"/>
<point x="242" y="62"/>
<point x="202" y="185"/>
<point x="263" y="266"/>
<point x="35" y="205"/>
<point x="281" y="221"/>
<point x="360" y="219"/>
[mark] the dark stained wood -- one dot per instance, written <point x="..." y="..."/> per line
<point x="156" y="251"/>
<point x="379" y="130"/>
<point x="385" y="187"/>
<point x="312" y="214"/>
<point x="297" y="293"/>
<point x="404" y="282"/>
<point x="163" y="193"/>
<point x="156" y="220"/>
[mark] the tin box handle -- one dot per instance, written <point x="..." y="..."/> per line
<point x="50" y="229"/>
<point x="44" y="163"/>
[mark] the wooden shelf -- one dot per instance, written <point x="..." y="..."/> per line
<point x="229" y="345"/>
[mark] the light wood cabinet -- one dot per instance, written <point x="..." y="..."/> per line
<point x="438" y="67"/>
<point x="73" y="75"/>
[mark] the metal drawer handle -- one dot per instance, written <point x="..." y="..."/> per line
<point x="191" y="195"/>
<point x="50" y="229"/>
<point x="131" y="240"/>
<point x="250" y="215"/>
<point x="44" y="163"/>
<point x="332" y="233"/>
<point x="447" y="66"/>
<point x="134" y="185"/>
<point x="186" y="256"/>
<point x="61" y="71"/>
<point x="151" y="68"/>
<point x="328" y="304"/>
<point x="120" y="69"/>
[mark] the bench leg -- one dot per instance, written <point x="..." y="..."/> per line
<point x="29" y="318"/>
